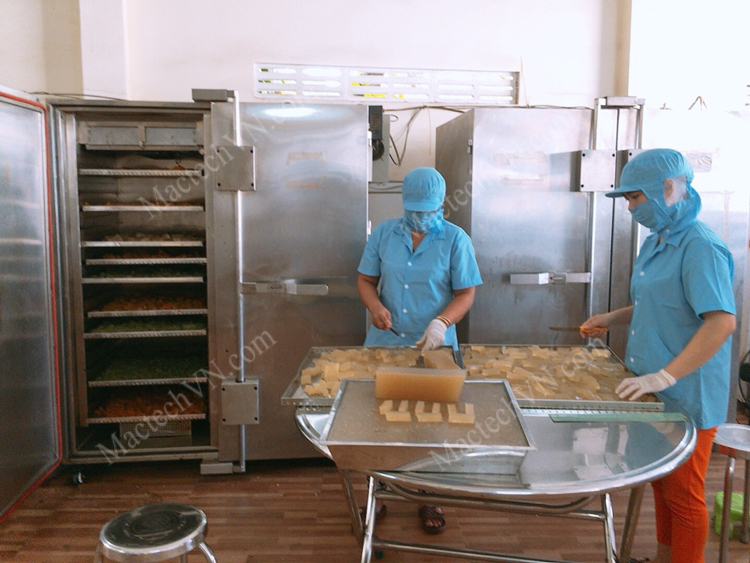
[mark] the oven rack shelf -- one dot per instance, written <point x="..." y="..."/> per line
<point x="150" y="313"/>
<point x="140" y="243"/>
<point x="143" y="173"/>
<point x="144" y="334"/>
<point x="116" y="419"/>
<point x="139" y="207"/>
<point x="185" y="279"/>
<point x="138" y="382"/>
<point x="143" y="261"/>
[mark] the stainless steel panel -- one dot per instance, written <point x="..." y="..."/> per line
<point x="30" y="422"/>
<point x="514" y="185"/>
<point x="598" y="170"/>
<point x="358" y="437"/>
<point x="296" y="241"/>
<point x="240" y="402"/>
<point x="717" y="145"/>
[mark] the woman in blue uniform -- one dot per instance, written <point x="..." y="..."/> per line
<point x="427" y="273"/>
<point x="679" y="340"/>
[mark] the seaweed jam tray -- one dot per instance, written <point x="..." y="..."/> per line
<point x="349" y="362"/>
<point x="359" y="438"/>
<point x="557" y="377"/>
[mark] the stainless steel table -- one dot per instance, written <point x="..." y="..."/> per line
<point x="577" y="461"/>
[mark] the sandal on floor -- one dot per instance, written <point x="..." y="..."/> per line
<point x="429" y="515"/>
<point x="379" y="513"/>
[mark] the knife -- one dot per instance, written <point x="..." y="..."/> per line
<point x="578" y="329"/>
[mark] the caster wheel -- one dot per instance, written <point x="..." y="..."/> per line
<point x="78" y="478"/>
<point x="379" y="554"/>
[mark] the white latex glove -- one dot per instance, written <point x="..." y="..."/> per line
<point x="635" y="387"/>
<point x="433" y="336"/>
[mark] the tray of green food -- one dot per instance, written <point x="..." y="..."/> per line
<point x="135" y="328"/>
<point x="151" y="371"/>
<point x="145" y="274"/>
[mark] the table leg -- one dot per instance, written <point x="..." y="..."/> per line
<point x="745" y="536"/>
<point x="351" y="501"/>
<point x="609" y="528"/>
<point x="631" y="521"/>
<point x="369" y="521"/>
<point x="726" y="510"/>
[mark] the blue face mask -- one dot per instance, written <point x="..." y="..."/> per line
<point x="423" y="221"/>
<point x="650" y="215"/>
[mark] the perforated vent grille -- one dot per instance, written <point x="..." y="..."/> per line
<point x="385" y="85"/>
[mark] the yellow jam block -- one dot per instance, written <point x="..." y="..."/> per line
<point x="419" y="384"/>
<point x="385" y="406"/>
<point x="466" y="417"/>
<point x="434" y="416"/>
<point x="401" y="415"/>
<point x="440" y="359"/>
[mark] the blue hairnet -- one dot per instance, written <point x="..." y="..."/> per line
<point x="423" y="189"/>
<point x="648" y="170"/>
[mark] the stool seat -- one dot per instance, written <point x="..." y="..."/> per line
<point x="733" y="440"/>
<point x="155" y="532"/>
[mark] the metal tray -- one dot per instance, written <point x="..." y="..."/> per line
<point x="137" y="172"/>
<point x="143" y="261"/>
<point x="139" y="243"/>
<point x="295" y="394"/>
<point x="149" y="208"/>
<point x="175" y="279"/>
<point x="649" y="404"/>
<point x="107" y="420"/>
<point x="154" y="313"/>
<point x="136" y="382"/>
<point x="359" y="438"/>
<point x="145" y="334"/>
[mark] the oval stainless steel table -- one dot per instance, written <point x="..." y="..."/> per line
<point x="579" y="458"/>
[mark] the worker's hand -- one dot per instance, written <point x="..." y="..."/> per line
<point x="433" y="336"/>
<point x="634" y="387"/>
<point x="381" y="318"/>
<point x="595" y="327"/>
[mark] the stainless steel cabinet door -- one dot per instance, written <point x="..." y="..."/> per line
<point x="542" y="240"/>
<point x="289" y="223"/>
<point x="29" y="411"/>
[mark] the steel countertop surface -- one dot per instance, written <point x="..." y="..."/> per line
<point x="571" y="459"/>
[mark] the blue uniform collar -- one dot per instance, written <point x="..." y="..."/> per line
<point x="399" y="228"/>
<point x="675" y="239"/>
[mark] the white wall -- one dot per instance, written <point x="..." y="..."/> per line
<point x="566" y="49"/>
<point x="682" y="50"/>
<point x="41" y="49"/>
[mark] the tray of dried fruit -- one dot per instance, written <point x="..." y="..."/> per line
<point x="577" y="378"/>
<point x="150" y="327"/>
<point x="135" y="404"/>
<point x="483" y="432"/>
<point x="146" y="274"/>
<point x="142" y="257"/>
<point x="144" y="305"/>
<point x="145" y="240"/>
<point x="319" y="375"/>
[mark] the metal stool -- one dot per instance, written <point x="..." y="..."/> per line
<point x="155" y="532"/>
<point x="733" y="440"/>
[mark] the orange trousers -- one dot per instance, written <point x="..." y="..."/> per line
<point x="680" y="501"/>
